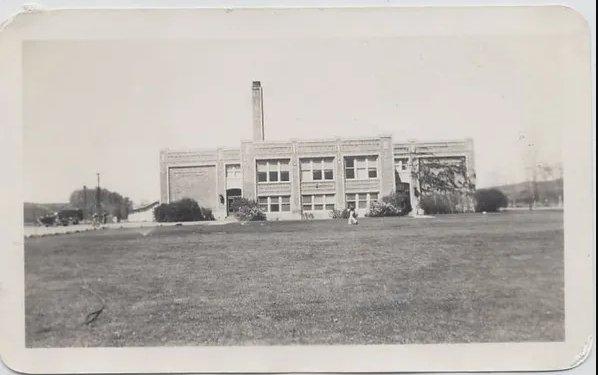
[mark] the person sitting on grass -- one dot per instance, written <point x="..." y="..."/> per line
<point x="352" y="216"/>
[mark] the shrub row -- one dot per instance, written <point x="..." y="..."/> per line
<point x="396" y="204"/>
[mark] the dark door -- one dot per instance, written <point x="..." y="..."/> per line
<point x="231" y="194"/>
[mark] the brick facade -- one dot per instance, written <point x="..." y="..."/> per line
<point x="202" y="175"/>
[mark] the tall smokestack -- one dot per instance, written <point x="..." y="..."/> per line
<point x="258" y="111"/>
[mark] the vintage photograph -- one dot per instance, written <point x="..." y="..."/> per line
<point x="241" y="190"/>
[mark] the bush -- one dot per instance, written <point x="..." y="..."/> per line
<point x="182" y="210"/>
<point x="247" y="210"/>
<point x="341" y="214"/>
<point x="489" y="200"/>
<point x="383" y="209"/>
<point x="394" y="204"/>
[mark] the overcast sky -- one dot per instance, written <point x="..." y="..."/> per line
<point x="110" y="107"/>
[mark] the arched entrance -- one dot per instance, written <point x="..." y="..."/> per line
<point x="231" y="194"/>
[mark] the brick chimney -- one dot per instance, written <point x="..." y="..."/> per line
<point x="258" y="111"/>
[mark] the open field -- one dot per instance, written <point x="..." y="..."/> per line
<point x="461" y="278"/>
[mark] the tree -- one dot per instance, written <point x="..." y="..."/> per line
<point x="110" y="202"/>
<point x="183" y="210"/>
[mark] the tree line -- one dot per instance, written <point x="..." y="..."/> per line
<point x="111" y="203"/>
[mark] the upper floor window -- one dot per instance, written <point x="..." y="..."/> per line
<point x="233" y="171"/>
<point x="317" y="169"/>
<point x="361" y="167"/>
<point x="273" y="170"/>
<point x="401" y="164"/>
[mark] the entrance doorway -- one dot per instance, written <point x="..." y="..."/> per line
<point x="231" y="195"/>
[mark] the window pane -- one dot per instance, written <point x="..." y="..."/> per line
<point x="306" y="165"/>
<point x="360" y="163"/>
<point x="372" y="160"/>
<point x="306" y="176"/>
<point x="286" y="200"/>
<point x="273" y="176"/>
<point x="319" y="199"/>
<point x="284" y="165"/>
<point x="306" y="199"/>
<point x="262" y="177"/>
<point x="362" y="174"/>
<point x="262" y="166"/>
<point x="330" y="206"/>
<point x="286" y="207"/>
<point x="363" y="204"/>
<point x="373" y="173"/>
<point x="362" y="197"/>
<point x="349" y="162"/>
<point x="274" y="207"/>
<point x="317" y="175"/>
<point x="328" y="174"/>
<point x="350" y="197"/>
<point x="284" y="176"/>
<point x="307" y="207"/>
<point x="318" y="207"/>
<point x="264" y="207"/>
<point x="350" y="174"/>
<point x="329" y="163"/>
<point x="373" y="196"/>
<point x="263" y="200"/>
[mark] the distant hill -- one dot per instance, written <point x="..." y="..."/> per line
<point x="34" y="210"/>
<point x="547" y="191"/>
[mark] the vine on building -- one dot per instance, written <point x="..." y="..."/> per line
<point x="442" y="185"/>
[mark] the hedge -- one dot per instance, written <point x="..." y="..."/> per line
<point x="183" y="210"/>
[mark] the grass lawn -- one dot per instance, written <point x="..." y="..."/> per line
<point x="457" y="279"/>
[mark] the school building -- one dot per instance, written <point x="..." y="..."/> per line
<point x="300" y="176"/>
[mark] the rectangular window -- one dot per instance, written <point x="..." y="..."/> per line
<point x="372" y="165"/>
<point x="273" y="170"/>
<point x="401" y="164"/>
<point x="329" y="200"/>
<point x="361" y="168"/>
<point x="317" y="169"/>
<point x="233" y="171"/>
<point x="263" y="203"/>
<point x="361" y="200"/>
<point x="285" y="204"/>
<point x="306" y="202"/>
<point x="285" y="169"/>
<point x="262" y="171"/>
<point x="274" y="206"/>
<point x="275" y="203"/>
<point x="317" y="202"/>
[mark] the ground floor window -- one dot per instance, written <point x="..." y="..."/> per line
<point x="318" y="202"/>
<point x="361" y="200"/>
<point x="275" y="203"/>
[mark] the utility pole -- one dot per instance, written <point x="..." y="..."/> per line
<point x="98" y="196"/>
<point x="84" y="202"/>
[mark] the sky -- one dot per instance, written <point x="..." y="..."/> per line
<point x="109" y="107"/>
